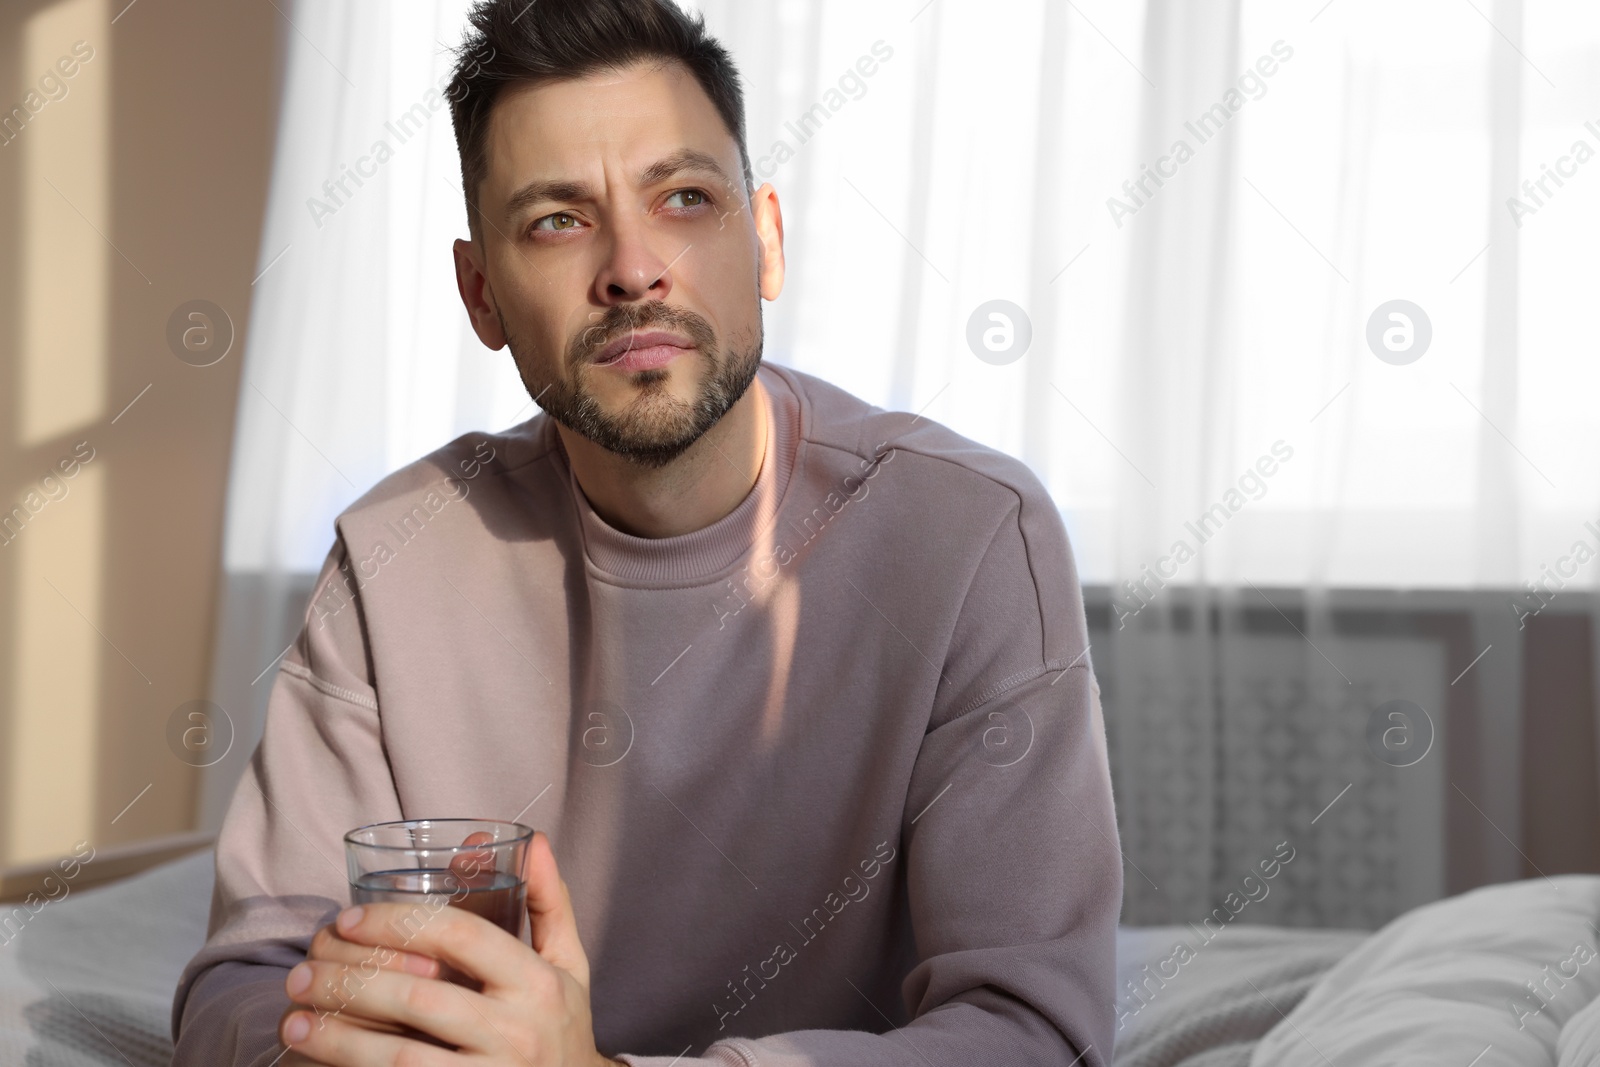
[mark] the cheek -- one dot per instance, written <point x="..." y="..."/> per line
<point x="724" y="284"/>
<point x="540" y="330"/>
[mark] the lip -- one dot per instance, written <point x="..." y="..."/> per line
<point x="644" y="350"/>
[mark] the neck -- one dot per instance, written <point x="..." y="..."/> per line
<point x="705" y="483"/>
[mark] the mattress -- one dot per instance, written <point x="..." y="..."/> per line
<point x="88" y="980"/>
<point x="1192" y="996"/>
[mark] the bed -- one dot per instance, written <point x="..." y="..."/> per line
<point x="1509" y="974"/>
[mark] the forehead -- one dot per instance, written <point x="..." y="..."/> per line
<point x="571" y="127"/>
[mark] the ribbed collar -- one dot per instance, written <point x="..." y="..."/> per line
<point x="701" y="554"/>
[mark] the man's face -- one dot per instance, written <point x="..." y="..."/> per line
<point x="620" y="258"/>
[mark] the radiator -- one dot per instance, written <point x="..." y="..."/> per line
<point x="1230" y="751"/>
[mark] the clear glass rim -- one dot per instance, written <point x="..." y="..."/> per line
<point x="525" y="834"/>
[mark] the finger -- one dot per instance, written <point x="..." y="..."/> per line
<point x="426" y="1004"/>
<point x="551" y="920"/>
<point x="361" y="1021"/>
<point x="475" y="868"/>
<point x="339" y="1043"/>
<point x="470" y="943"/>
<point x="370" y="1024"/>
<point x="326" y="944"/>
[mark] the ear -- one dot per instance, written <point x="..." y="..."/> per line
<point x="472" y="280"/>
<point x="768" y="216"/>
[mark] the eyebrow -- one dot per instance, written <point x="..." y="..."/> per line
<point x="544" y="189"/>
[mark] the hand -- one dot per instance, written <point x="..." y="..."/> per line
<point x="373" y="984"/>
<point x="360" y="963"/>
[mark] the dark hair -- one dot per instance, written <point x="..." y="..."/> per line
<point x="515" y="41"/>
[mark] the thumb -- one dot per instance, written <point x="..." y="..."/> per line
<point x="552" y="925"/>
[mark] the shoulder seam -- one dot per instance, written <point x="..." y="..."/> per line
<point x="970" y="470"/>
<point x="446" y="476"/>
<point x="1020" y="678"/>
<point x="338" y="692"/>
<point x="1016" y="678"/>
<point x="860" y="451"/>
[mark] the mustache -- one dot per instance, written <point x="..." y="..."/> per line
<point x="621" y="319"/>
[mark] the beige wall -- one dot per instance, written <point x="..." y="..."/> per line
<point x="141" y="188"/>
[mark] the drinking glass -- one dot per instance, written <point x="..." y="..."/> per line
<point x="472" y="864"/>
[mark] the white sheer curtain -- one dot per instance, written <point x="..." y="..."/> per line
<point x="1184" y="340"/>
<point x="359" y="356"/>
<point x="1370" y="161"/>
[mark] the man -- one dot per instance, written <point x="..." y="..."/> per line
<point x="797" y="690"/>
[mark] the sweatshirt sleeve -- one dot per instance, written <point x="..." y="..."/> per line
<point x="320" y="769"/>
<point x="1013" y="867"/>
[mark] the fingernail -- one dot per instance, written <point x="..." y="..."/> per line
<point x="348" y="918"/>
<point x="421" y="966"/>
<point x="299" y="979"/>
<point x="297" y="1029"/>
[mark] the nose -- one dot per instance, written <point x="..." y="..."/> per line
<point x="633" y="269"/>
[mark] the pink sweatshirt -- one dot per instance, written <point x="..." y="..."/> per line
<point x="827" y="778"/>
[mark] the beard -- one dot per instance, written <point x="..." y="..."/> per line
<point x="656" y="427"/>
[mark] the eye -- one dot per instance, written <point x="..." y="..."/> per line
<point x="688" y="198"/>
<point x="559" y="221"/>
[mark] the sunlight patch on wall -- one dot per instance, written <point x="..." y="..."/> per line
<point x="64" y="137"/>
<point x="56" y="683"/>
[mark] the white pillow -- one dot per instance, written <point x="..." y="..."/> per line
<point x="1448" y="984"/>
<point x="1579" y="1043"/>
